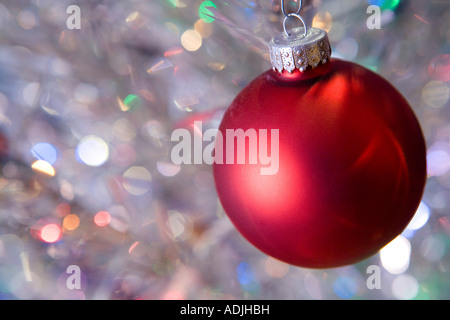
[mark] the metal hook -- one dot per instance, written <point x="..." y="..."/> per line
<point x="298" y="17"/>
<point x="292" y="14"/>
<point x="284" y="10"/>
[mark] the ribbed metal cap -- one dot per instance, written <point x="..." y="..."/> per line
<point x="296" y="51"/>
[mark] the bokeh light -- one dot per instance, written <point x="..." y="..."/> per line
<point x="92" y="151"/>
<point x="191" y="40"/>
<point x="102" y="218"/>
<point x="435" y="94"/>
<point x="71" y="222"/>
<point x="438" y="159"/>
<point x="62" y="209"/>
<point x="167" y="169"/>
<point x="433" y="248"/>
<point x="276" y="268"/>
<point x="131" y="102"/>
<point x="27" y="19"/>
<point x="45" y="151"/>
<point x="347" y="48"/>
<point x="246" y="277"/>
<point x="50" y="233"/>
<point x="177" y="225"/>
<point x="137" y="180"/>
<point x="395" y="256"/>
<point x="203" y="28"/>
<point x="420" y="217"/>
<point x="204" y="11"/>
<point x="439" y="67"/>
<point x="405" y="287"/>
<point x="345" y="287"/>
<point x="323" y="20"/>
<point x="385" y="4"/>
<point x="43" y="167"/>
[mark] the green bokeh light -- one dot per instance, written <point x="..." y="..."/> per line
<point x="390" y="4"/>
<point x="173" y="3"/>
<point x="204" y="13"/>
<point x="132" y="101"/>
<point x="385" y="4"/>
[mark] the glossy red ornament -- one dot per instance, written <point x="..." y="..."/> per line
<point x="352" y="165"/>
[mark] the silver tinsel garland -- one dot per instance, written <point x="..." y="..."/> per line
<point x="87" y="180"/>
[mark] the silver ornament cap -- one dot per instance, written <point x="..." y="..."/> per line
<point x="299" y="49"/>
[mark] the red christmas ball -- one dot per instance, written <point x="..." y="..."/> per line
<point x="351" y="164"/>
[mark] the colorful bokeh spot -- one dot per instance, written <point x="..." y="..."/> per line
<point x="45" y="151"/>
<point x="102" y="218"/>
<point x="204" y="11"/>
<point x="385" y="4"/>
<point x="132" y="101"/>
<point x="50" y="233"/>
<point x="173" y="3"/>
<point x="92" y="151"/>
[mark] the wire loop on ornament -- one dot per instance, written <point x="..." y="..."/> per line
<point x="298" y="17"/>
<point x="293" y="14"/>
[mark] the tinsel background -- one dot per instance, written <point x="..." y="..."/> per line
<point x="86" y="177"/>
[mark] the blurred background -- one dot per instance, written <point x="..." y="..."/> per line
<point x="86" y="177"/>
